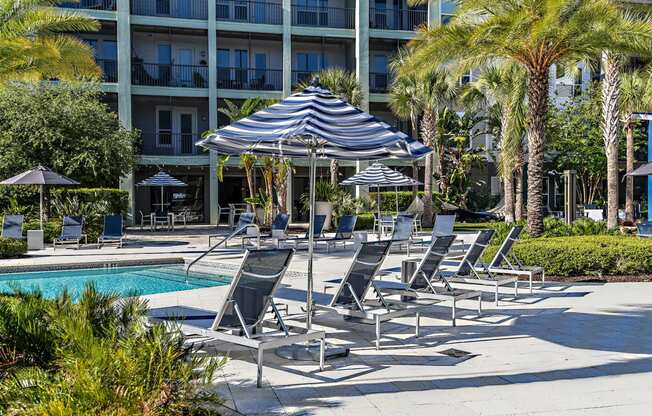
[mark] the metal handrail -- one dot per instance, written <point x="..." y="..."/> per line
<point x="228" y="237"/>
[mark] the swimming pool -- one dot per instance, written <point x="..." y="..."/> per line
<point x="124" y="281"/>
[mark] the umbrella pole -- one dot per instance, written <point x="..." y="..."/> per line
<point x="378" y="203"/>
<point x="41" y="203"/>
<point x="162" y="200"/>
<point x="396" y="194"/>
<point x="311" y="236"/>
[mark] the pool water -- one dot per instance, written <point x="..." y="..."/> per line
<point x="124" y="281"/>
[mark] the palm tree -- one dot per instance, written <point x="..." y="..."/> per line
<point x="34" y="44"/>
<point x="343" y="84"/>
<point x="534" y="34"/>
<point x="635" y="95"/>
<point x="502" y="87"/>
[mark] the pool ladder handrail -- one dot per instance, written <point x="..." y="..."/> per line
<point x="224" y="240"/>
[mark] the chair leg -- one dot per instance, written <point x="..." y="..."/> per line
<point x="417" y="332"/>
<point x="496" y="295"/>
<point x="516" y="289"/>
<point x="322" y="353"/>
<point x="377" y="332"/>
<point x="479" y="305"/>
<point x="259" y="374"/>
<point x="453" y="313"/>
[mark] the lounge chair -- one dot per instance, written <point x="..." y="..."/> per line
<point x="112" y="231"/>
<point x="72" y="232"/>
<point x="402" y="234"/>
<point x="505" y="263"/>
<point x="245" y="219"/>
<point x="239" y="317"/>
<point x="12" y="227"/>
<point x="428" y="283"/>
<point x="443" y="226"/>
<point x="344" y="232"/>
<point x="318" y="230"/>
<point x="644" y="229"/>
<point x="467" y="270"/>
<point x="280" y="225"/>
<point x="350" y="300"/>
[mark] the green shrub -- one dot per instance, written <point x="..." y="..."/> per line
<point x="117" y="200"/>
<point x="51" y="228"/>
<point x="585" y="255"/>
<point x="10" y="247"/>
<point x="365" y="221"/>
<point x="388" y="200"/>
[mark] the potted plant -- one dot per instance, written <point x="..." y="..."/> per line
<point x="325" y="194"/>
<point x="257" y="206"/>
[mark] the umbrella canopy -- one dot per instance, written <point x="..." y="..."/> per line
<point x="161" y="179"/>
<point x="39" y="176"/>
<point x="645" y="170"/>
<point x="314" y="118"/>
<point x="314" y="123"/>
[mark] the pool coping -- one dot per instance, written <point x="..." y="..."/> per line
<point x="93" y="264"/>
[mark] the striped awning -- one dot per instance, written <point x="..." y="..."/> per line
<point x="380" y="175"/>
<point x="314" y="118"/>
<point x="161" y="179"/>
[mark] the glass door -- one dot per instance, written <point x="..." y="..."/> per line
<point x="164" y="64"/>
<point x="184" y="70"/>
<point x="186" y="131"/>
<point x="261" y="70"/>
<point x="241" y="63"/>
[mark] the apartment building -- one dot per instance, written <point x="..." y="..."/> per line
<point x="169" y="65"/>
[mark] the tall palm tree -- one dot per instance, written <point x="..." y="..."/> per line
<point x="535" y="34"/>
<point x="343" y="84"/>
<point x="635" y="95"/>
<point x="34" y="44"/>
<point x="503" y="88"/>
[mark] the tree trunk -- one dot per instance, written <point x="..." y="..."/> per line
<point x="611" y="127"/>
<point x="518" y="198"/>
<point x="537" y="111"/>
<point x="334" y="172"/>
<point x="414" y="120"/>
<point x="508" y="187"/>
<point x="428" y="131"/>
<point x="629" y="184"/>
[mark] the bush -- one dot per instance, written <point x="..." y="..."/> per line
<point x="585" y="255"/>
<point x="10" y="247"/>
<point x="116" y="199"/>
<point x="388" y="200"/>
<point x="51" y="228"/>
<point x="365" y="221"/>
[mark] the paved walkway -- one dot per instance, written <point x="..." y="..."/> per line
<point x="581" y="349"/>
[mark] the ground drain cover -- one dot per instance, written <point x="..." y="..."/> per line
<point x="452" y="352"/>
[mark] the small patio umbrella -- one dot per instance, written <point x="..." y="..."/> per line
<point x="162" y="179"/>
<point x="40" y="176"/>
<point x="379" y="175"/>
<point x="644" y="170"/>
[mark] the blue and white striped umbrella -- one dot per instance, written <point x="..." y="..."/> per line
<point x="161" y="179"/>
<point x="319" y="118"/>
<point x="379" y="175"/>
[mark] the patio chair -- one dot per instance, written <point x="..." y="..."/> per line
<point x="245" y="219"/>
<point x="161" y="218"/>
<point x="350" y="300"/>
<point x="12" y="227"/>
<point x="644" y="229"/>
<point x="318" y="230"/>
<point x="402" y="233"/>
<point x="71" y="232"/>
<point x="428" y="283"/>
<point x="239" y="316"/>
<point x="466" y="271"/>
<point x="343" y="234"/>
<point x="222" y="211"/>
<point x="113" y="231"/>
<point x="443" y="226"/>
<point x="382" y="222"/>
<point x="505" y="262"/>
<point x="279" y="225"/>
<point x="145" y="220"/>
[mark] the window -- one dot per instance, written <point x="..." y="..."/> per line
<point x="223" y="68"/>
<point x="241" y="63"/>
<point x="447" y="9"/>
<point x="164" y="128"/>
<point x="466" y="78"/>
<point x="307" y="63"/>
<point x="261" y="68"/>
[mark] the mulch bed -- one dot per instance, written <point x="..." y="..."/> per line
<point x="601" y="279"/>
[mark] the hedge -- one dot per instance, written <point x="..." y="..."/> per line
<point x="388" y="200"/>
<point x="51" y="228"/>
<point x="615" y="255"/>
<point x="10" y="247"/>
<point x="117" y="199"/>
<point x="365" y="221"/>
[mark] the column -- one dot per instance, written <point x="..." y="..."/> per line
<point x="649" y="178"/>
<point x="362" y="69"/>
<point x="288" y="197"/>
<point x="213" y="184"/>
<point x="123" y="31"/>
<point x="287" y="47"/>
<point x="434" y="15"/>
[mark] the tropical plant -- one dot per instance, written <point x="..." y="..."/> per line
<point x="325" y="191"/>
<point x="268" y="176"/>
<point x="534" y="34"/>
<point x="96" y="355"/>
<point x="344" y="84"/>
<point x="35" y="44"/>
<point x="282" y="169"/>
<point x="635" y="96"/>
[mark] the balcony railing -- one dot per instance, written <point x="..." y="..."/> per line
<point x="90" y="4"/>
<point x="250" y="12"/>
<point x="109" y="69"/>
<point x="169" y="75"/>
<point x="300" y="76"/>
<point x="250" y="79"/>
<point x="184" y="9"/>
<point x="337" y="17"/>
<point x="397" y="19"/>
<point x="379" y="82"/>
<point x="169" y="144"/>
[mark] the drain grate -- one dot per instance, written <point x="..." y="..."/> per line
<point x="452" y="352"/>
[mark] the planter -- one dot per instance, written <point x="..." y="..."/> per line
<point x="324" y="208"/>
<point x="260" y="215"/>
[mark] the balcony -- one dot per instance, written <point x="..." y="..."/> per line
<point x="260" y="12"/>
<point x="397" y="19"/>
<point x="109" y="69"/>
<point x="250" y="79"/>
<point x="183" y="9"/>
<point x="301" y="77"/>
<point x="169" y="75"/>
<point x="169" y="144"/>
<point x="315" y="16"/>
<point x="379" y="82"/>
<point x="90" y="5"/>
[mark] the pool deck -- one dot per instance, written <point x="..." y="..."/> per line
<point x="566" y="349"/>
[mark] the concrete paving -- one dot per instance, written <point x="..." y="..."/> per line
<point x="578" y="349"/>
